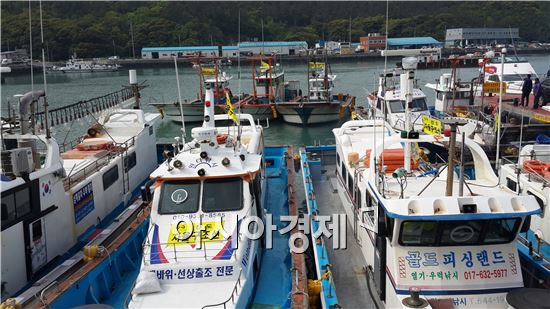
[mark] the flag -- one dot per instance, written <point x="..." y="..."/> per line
<point x="264" y="66"/>
<point x="316" y="65"/>
<point x="229" y="107"/>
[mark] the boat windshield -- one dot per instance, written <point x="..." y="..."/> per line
<point x="512" y="78"/>
<point x="418" y="104"/>
<point x="179" y="197"/>
<point x="508" y="59"/>
<point x="222" y="194"/>
<point x="182" y="197"/>
<point x="458" y="233"/>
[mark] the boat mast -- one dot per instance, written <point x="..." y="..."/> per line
<point x="179" y="101"/>
<point x="499" y="120"/>
<point x="48" y="135"/>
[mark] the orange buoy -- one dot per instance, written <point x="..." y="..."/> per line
<point x="221" y="138"/>
<point x="536" y="166"/>
<point x="366" y="160"/>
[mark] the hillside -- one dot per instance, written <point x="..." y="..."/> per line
<point x="98" y="29"/>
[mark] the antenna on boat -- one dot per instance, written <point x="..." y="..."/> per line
<point x="33" y="121"/>
<point x="48" y="135"/>
<point x="384" y="86"/>
<point x="239" y="80"/>
<point x="499" y="120"/>
<point x="179" y="101"/>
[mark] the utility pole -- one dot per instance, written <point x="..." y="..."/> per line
<point x="350" y="32"/>
<point x="132" y="36"/>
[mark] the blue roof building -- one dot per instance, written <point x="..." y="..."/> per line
<point x="413" y="42"/>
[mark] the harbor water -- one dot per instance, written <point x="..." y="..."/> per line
<point x="354" y="78"/>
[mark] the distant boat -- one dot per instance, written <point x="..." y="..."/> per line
<point x="76" y="65"/>
<point x="516" y="70"/>
<point x="320" y="106"/>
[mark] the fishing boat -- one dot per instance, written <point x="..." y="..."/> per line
<point x="320" y="105"/>
<point x="454" y="97"/>
<point x="55" y="197"/>
<point x="388" y="102"/>
<point x="77" y="65"/>
<point x="421" y="245"/>
<point x="529" y="174"/>
<point x="427" y="238"/>
<point x="194" y="251"/>
<point x="193" y="111"/>
<point x="268" y="88"/>
<point x="515" y="71"/>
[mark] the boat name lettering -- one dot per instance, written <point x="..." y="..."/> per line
<point x="201" y="161"/>
<point x="475" y="301"/>
<point x="416" y="260"/>
<point x="194" y="273"/>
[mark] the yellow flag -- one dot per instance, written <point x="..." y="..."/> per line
<point x="316" y="65"/>
<point x="264" y="66"/>
<point x="229" y="108"/>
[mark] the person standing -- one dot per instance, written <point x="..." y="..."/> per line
<point x="537" y="91"/>
<point x="526" y="90"/>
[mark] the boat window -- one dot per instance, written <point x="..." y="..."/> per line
<point x="110" y="177"/>
<point x="379" y="104"/>
<point x="22" y="202"/>
<point x="539" y="201"/>
<point x="337" y="159"/>
<point x="179" y="197"/>
<point x="512" y="78"/>
<point x="494" y="78"/>
<point x="511" y="184"/>
<point x="222" y="194"/>
<point x="350" y="184"/>
<point x="397" y="106"/>
<point x="459" y="232"/>
<point x="344" y="174"/>
<point x="36" y="230"/>
<point x="8" y="208"/>
<point x="130" y="161"/>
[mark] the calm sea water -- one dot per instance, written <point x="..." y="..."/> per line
<point x="354" y="78"/>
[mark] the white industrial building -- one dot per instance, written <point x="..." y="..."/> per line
<point x="467" y="36"/>
<point x="245" y="49"/>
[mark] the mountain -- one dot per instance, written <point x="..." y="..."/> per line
<point x="98" y="29"/>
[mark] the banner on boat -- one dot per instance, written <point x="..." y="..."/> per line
<point x="431" y="126"/>
<point x="494" y="87"/>
<point x="83" y="202"/>
<point x="450" y="266"/>
<point x="208" y="71"/>
<point x="316" y="65"/>
<point x="185" y="232"/>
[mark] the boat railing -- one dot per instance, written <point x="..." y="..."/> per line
<point x="117" y="149"/>
<point x="175" y="256"/>
<point x="234" y="292"/>
<point x="531" y="173"/>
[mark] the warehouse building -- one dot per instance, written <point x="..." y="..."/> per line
<point x="480" y="36"/>
<point x="413" y="43"/>
<point x="245" y="49"/>
<point x="188" y="51"/>
<point x="373" y="42"/>
<point x="274" y="47"/>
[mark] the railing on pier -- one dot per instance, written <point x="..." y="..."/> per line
<point x="81" y="109"/>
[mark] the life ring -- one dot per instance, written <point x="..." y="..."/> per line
<point x="536" y="166"/>
<point x="221" y="138"/>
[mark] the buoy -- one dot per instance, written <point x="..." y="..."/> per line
<point x="353" y="157"/>
<point x="297" y="164"/>
<point x="221" y="138"/>
<point x="536" y="166"/>
<point x="314" y="291"/>
<point x="94" y="145"/>
<point x="90" y="252"/>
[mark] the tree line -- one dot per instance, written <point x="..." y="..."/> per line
<point x="100" y="29"/>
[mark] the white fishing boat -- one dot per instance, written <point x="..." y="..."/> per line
<point x="54" y="198"/>
<point x="193" y="110"/>
<point x="530" y="176"/>
<point x="320" y="105"/>
<point x="429" y="240"/>
<point x="454" y="97"/>
<point x="76" y="65"/>
<point x="516" y="70"/>
<point x="195" y="255"/>
<point x="388" y="102"/>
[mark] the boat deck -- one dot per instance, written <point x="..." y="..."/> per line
<point x="348" y="266"/>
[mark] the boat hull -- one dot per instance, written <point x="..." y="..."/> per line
<point x="310" y="113"/>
